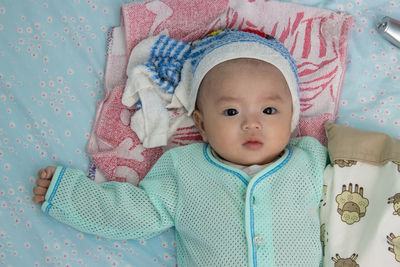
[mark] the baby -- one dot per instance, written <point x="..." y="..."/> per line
<point x="246" y="196"/>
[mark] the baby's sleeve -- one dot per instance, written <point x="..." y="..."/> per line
<point x="112" y="209"/>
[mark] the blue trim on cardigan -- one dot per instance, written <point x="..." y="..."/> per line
<point x="60" y="176"/>
<point x="251" y="197"/>
<point x="275" y="169"/>
<point x="222" y="167"/>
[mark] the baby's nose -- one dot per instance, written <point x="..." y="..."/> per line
<point x="251" y="124"/>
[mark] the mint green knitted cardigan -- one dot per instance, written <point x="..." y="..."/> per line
<point x="222" y="217"/>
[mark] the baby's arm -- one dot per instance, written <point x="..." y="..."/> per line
<point x="42" y="184"/>
<point x="111" y="209"/>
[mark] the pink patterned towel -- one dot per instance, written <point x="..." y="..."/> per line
<point x="316" y="38"/>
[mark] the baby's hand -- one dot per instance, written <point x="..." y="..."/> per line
<point x="43" y="182"/>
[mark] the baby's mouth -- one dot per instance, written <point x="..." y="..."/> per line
<point x="252" y="144"/>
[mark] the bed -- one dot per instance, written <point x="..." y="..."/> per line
<point x="53" y="58"/>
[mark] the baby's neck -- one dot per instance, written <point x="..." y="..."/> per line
<point x="250" y="170"/>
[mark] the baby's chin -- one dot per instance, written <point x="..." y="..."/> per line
<point x="249" y="158"/>
<point x="250" y="162"/>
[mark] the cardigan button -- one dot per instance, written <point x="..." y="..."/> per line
<point x="258" y="240"/>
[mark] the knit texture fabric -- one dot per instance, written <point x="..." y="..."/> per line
<point x="161" y="58"/>
<point x="222" y="216"/>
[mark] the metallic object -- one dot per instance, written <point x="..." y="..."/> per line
<point x="390" y="29"/>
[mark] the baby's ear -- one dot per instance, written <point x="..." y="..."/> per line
<point x="198" y="119"/>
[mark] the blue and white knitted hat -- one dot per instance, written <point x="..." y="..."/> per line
<point x="232" y="44"/>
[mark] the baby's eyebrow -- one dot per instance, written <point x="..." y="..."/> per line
<point x="269" y="98"/>
<point x="275" y="97"/>
<point x="227" y="99"/>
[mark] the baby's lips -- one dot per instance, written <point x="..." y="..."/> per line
<point x="253" y="144"/>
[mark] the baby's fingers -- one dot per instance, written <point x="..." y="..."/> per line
<point x="38" y="190"/>
<point x="38" y="199"/>
<point x="46" y="173"/>
<point x="43" y="183"/>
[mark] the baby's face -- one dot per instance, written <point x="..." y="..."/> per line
<point x="245" y="111"/>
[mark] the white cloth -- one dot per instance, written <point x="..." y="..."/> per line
<point x="153" y="72"/>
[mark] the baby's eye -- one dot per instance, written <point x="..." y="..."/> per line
<point x="230" y="112"/>
<point x="269" y="110"/>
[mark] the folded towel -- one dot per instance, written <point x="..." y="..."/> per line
<point x="316" y="38"/>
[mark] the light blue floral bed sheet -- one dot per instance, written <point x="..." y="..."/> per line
<point x="52" y="60"/>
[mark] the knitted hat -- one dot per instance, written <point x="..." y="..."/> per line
<point x="232" y="44"/>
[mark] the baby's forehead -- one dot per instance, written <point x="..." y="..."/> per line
<point x="238" y="66"/>
<point x="245" y="68"/>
